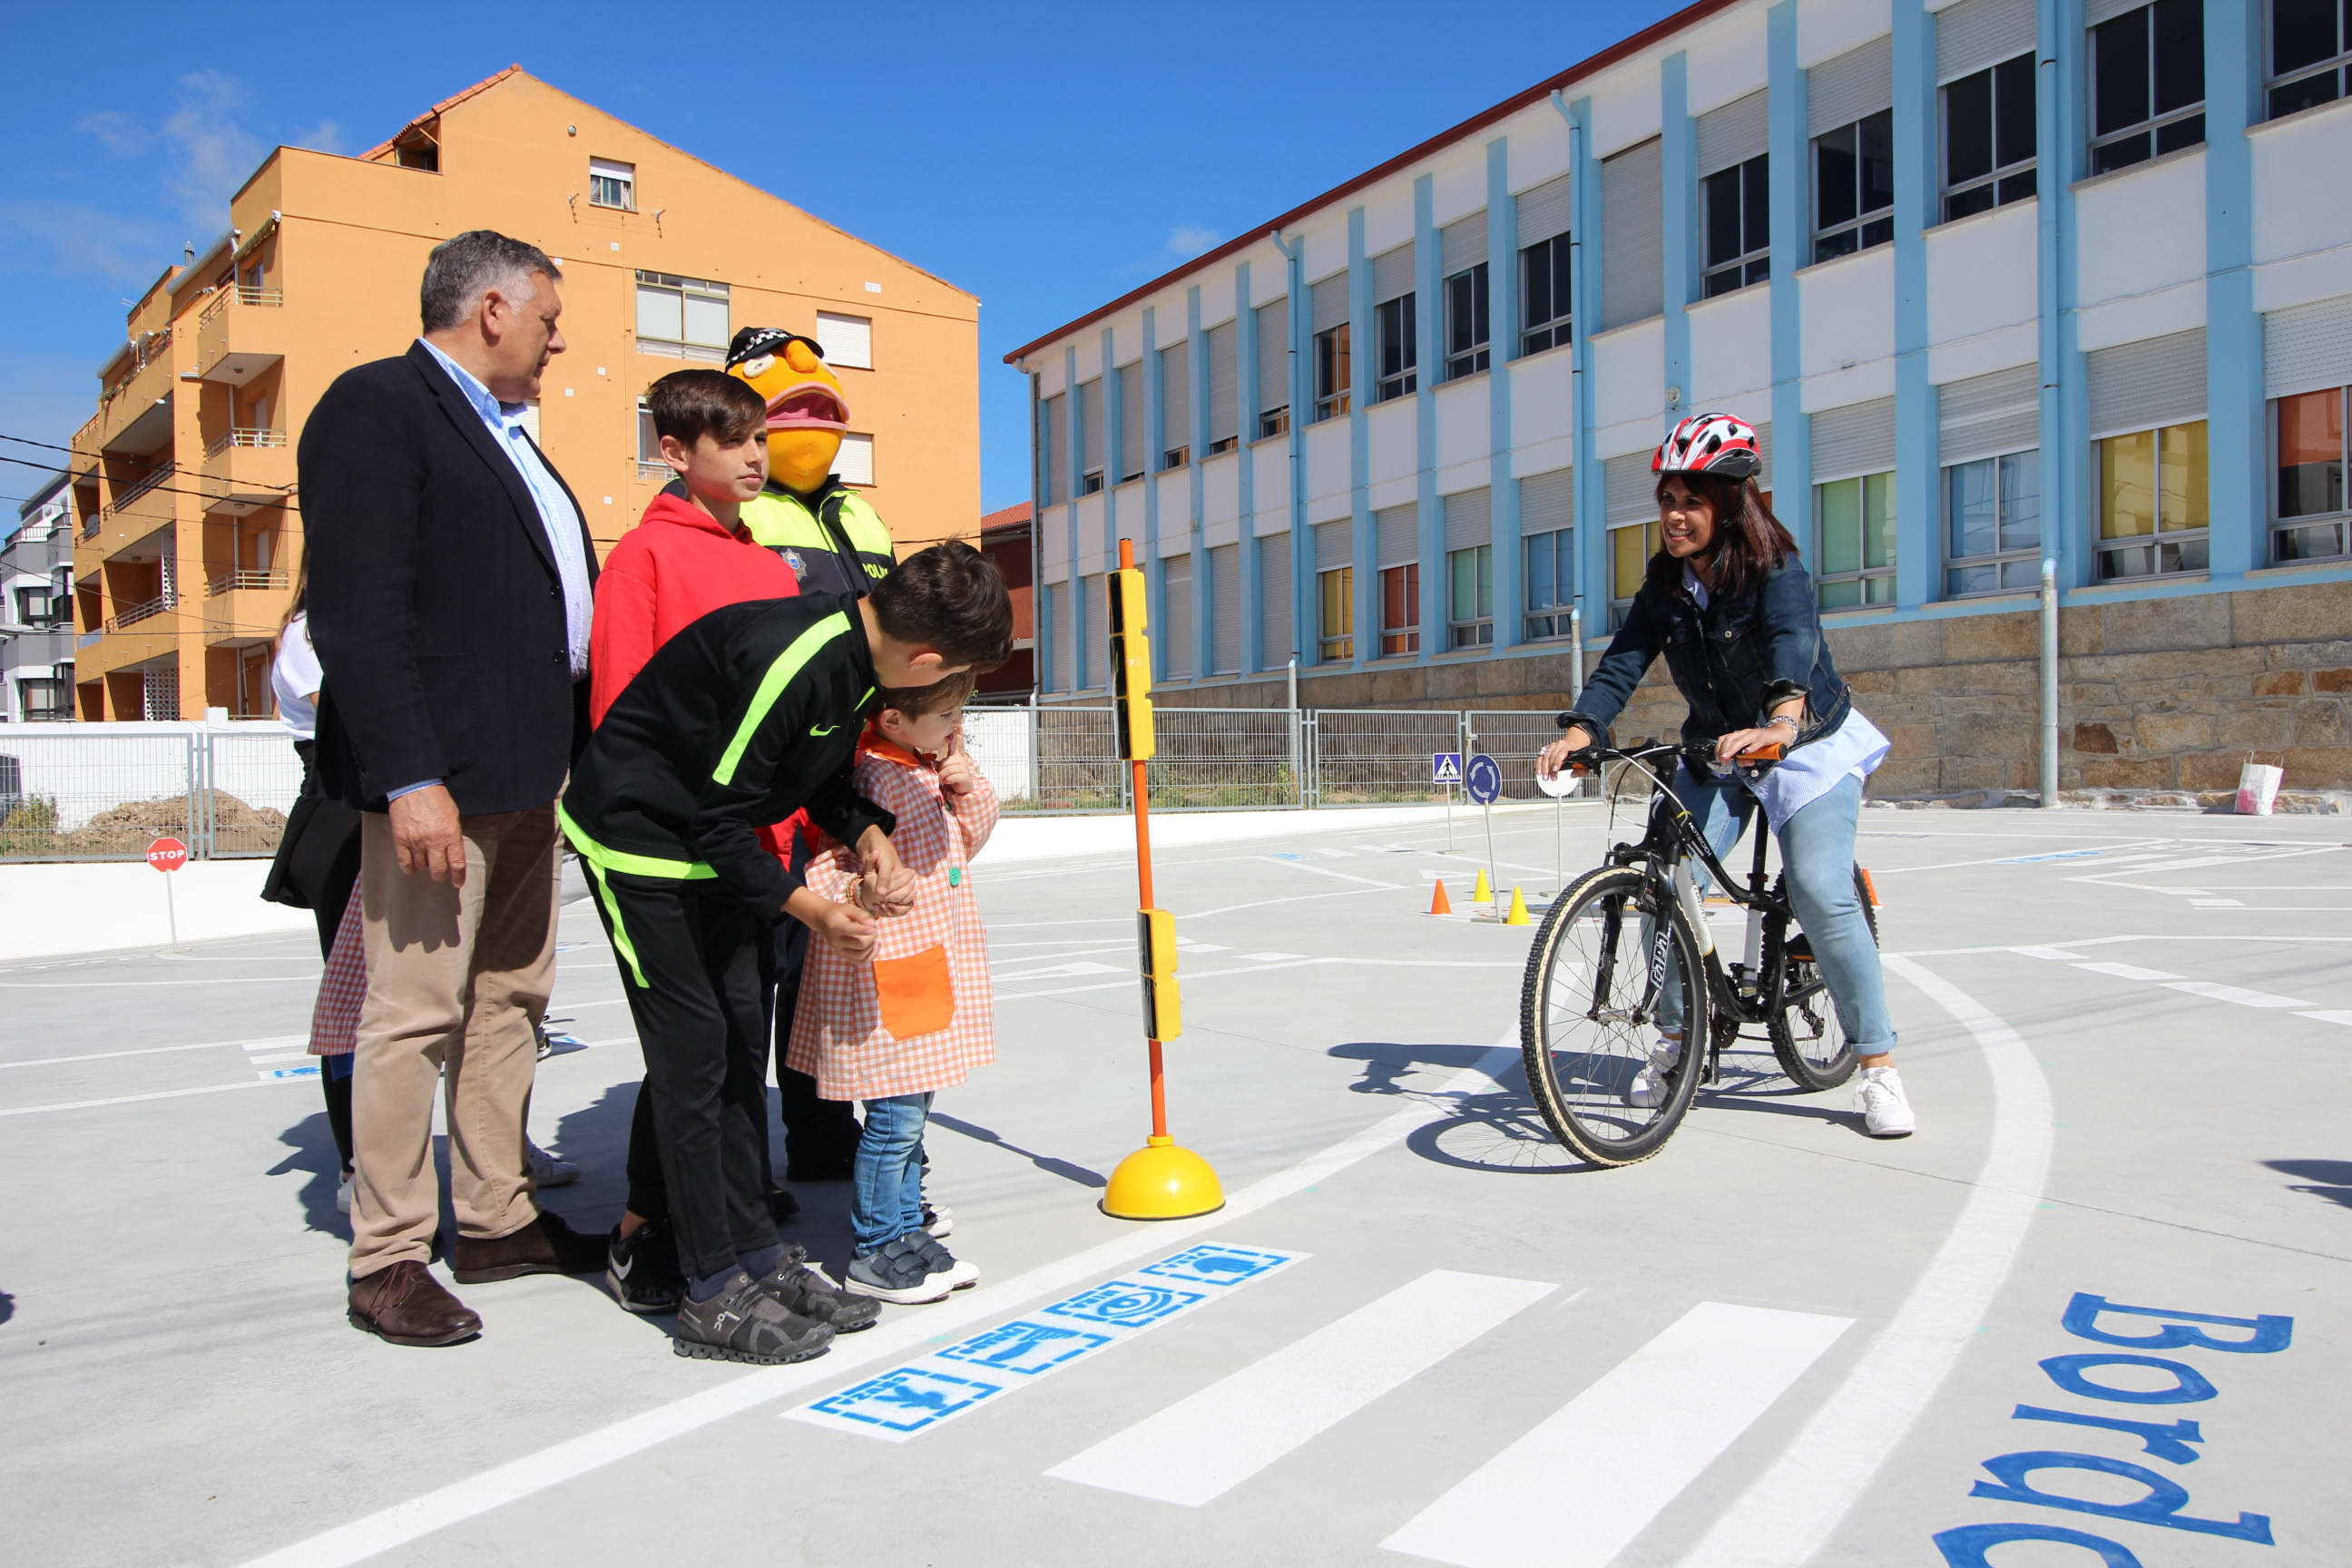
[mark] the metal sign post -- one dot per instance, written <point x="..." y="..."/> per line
<point x="1445" y="769"/>
<point x="168" y="854"/>
<point x="1483" y="781"/>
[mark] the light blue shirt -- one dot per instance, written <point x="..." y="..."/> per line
<point x="558" y="517"/>
<point x="1856" y="747"/>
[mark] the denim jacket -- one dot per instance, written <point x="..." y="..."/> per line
<point x="1731" y="660"/>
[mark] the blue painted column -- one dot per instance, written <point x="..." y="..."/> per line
<point x="1196" y="350"/>
<point x="1502" y="320"/>
<point x="1791" y="197"/>
<point x="1155" y="441"/>
<point x="1919" y="561"/>
<point x="1591" y="548"/>
<point x="1359" y="400"/>
<point x="1303" y="599"/>
<point x="1426" y="260"/>
<point x="1086" y="661"/>
<point x="1247" y="399"/>
<point x="2070" y="519"/>
<point x="1678" y="199"/>
<point x="2236" y="418"/>
<point x="1043" y="633"/>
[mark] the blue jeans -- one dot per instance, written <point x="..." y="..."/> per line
<point x="886" y="1199"/>
<point x="1817" y="854"/>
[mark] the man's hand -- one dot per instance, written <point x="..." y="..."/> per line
<point x="957" y="774"/>
<point x="426" y="834"/>
<point x="845" y="929"/>
<point x="893" y="885"/>
<point x="1554" y="757"/>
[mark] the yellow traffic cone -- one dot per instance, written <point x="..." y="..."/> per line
<point x="1519" y="915"/>
<point x="1438" y="903"/>
<point x="1483" y="892"/>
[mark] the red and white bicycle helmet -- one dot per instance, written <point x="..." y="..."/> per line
<point x="1710" y="443"/>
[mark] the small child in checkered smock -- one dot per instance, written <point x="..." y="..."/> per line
<point x="914" y="1018"/>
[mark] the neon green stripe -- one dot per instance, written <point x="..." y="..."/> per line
<point x="780" y="674"/>
<point x="597" y="855"/>
<point x="621" y="943"/>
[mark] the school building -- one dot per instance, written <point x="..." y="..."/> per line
<point x="1998" y="283"/>
<point x="187" y="527"/>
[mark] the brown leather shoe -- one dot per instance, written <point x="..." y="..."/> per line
<point x="545" y="1246"/>
<point x="404" y="1305"/>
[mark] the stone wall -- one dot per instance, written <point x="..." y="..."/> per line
<point x="2154" y="694"/>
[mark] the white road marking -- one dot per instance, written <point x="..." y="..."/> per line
<point x="533" y="1473"/>
<point x="1788" y="1513"/>
<point x="2126" y="971"/>
<point x="133" y="1098"/>
<point x="1273" y="957"/>
<point x="1064" y="971"/>
<point x="153" y="1051"/>
<point x="1576" y="1490"/>
<point x="2218" y="903"/>
<point x="2329" y="1015"/>
<point x="2242" y="996"/>
<point x="1301" y="964"/>
<point x="1203" y="1445"/>
<point x="2058" y="953"/>
<point x="1327" y="871"/>
<point x="283" y="1057"/>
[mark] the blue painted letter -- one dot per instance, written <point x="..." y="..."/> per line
<point x="2169" y="1441"/>
<point x="2166" y="1497"/>
<point x="2066" y="1372"/>
<point x="2269" y="1333"/>
<point x="1965" y="1547"/>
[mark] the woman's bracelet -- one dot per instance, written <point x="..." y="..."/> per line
<point x="1794" y="727"/>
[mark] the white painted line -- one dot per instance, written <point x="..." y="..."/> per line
<point x="2126" y="971"/>
<point x="1063" y="970"/>
<point x="531" y="1474"/>
<point x="133" y="1098"/>
<point x="2329" y="1015"/>
<point x="1327" y="871"/>
<point x="2239" y="995"/>
<point x="1576" y="1490"/>
<point x="2057" y="954"/>
<point x="1202" y="1446"/>
<point x="1788" y="1513"/>
<point x="155" y="1051"/>
<point x="1273" y="957"/>
<point x="281" y="1056"/>
<point x="2218" y="903"/>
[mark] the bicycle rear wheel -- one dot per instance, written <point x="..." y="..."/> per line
<point x="1805" y="1032"/>
<point x="1613" y="948"/>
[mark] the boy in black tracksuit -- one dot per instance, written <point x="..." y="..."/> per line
<point x="748" y="715"/>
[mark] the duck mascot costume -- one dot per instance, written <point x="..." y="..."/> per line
<point x="827" y="534"/>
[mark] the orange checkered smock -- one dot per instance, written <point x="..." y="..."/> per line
<point x="929" y="975"/>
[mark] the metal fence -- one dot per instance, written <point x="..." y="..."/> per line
<point x="98" y="792"/>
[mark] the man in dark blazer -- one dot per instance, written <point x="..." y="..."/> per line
<point x="450" y="587"/>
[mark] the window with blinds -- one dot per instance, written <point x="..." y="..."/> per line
<point x="1462" y="264"/>
<point x="682" y="317"/>
<point x="1396" y="532"/>
<point x="1334" y="360"/>
<point x="1629" y="508"/>
<point x="1544" y="213"/>
<point x="1175" y="406"/>
<point x="1633" y="244"/>
<point x="1547" y="549"/>
<point x="1176" y="633"/>
<point x="1224" y="609"/>
<point x="847" y="340"/>
<point x="1395" y="326"/>
<point x="2148" y="80"/>
<point x="1273" y="368"/>
<point x="854" y="462"/>
<point x="2153" y="382"/>
<point x="1856" y="439"/>
<point x="1224" y="392"/>
<point x="1056" y="674"/>
<point x="1277" y="643"/>
<point x="1849" y="108"/>
<point x="1335" y="589"/>
<point x="1130" y="422"/>
<point x="1091" y="437"/>
<point x="1053" y="447"/>
<point x="1469" y="569"/>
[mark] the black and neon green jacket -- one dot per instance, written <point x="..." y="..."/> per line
<point x="743" y="718"/>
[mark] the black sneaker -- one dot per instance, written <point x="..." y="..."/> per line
<point x="804" y="1289"/>
<point x="782" y="1207"/>
<point x="643" y="1269"/>
<point x="897" y="1271"/>
<point x="743" y="1322"/>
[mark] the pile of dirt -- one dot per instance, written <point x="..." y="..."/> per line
<point x="123" y="832"/>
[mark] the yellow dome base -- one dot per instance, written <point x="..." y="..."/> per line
<point x="1162" y="1180"/>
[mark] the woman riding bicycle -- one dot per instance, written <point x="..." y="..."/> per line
<point x="1729" y="603"/>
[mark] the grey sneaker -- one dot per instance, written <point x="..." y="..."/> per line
<point x="743" y="1322"/>
<point x="898" y="1271"/>
<point x="804" y="1290"/>
<point x="943" y="1264"/>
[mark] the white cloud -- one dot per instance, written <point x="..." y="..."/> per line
<point x="75" y="240"/>
<point x="324" y="137"/>
<point x="118" y="131"/>
<point x="211" y="154"/>
<point x="1189" y="239"/>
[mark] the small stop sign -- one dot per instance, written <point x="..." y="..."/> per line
<point x="167" y="854"/>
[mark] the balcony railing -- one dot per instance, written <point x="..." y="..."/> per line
<point x="167" y="600"/>
<point x="146" y="482"/>
<point x="242" y="436"/>
<point x="232" y="582"/>
<point x="144" y="353"/>
<point x="242" y="294"/>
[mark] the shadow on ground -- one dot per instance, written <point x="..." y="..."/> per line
<point x="2329" y="1178"/>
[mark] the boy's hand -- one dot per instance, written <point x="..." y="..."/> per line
<point x="957" y="774"/>
<point x="847" y="930"/>
<point x="892" y="885"/>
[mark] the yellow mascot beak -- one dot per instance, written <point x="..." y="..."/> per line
<point x="806" y="413"/>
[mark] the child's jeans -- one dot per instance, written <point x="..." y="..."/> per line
<point x="886" y="1199"/>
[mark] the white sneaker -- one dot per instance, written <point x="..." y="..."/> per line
<point x="939" y="1220"/>
<point x="1886" y="1111"/>
<point x="546" y="1170"/>
<point x="343" y="1194"/>
<point x="1649" y="1088"/>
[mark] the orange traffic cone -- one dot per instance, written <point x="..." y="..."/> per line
<point x="1438" y="903"/>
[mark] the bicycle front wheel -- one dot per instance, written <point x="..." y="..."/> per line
<point x="1613" y="967"/>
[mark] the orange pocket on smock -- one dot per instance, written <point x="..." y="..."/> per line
<point x="915" y="992"/>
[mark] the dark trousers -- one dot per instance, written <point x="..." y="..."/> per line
<point x="819" y="1135"/>
<point x="695" y="966"/>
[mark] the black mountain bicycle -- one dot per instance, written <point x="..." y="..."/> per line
<point x="1625" y="956"/>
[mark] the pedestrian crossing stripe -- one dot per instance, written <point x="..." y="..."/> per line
<point x="911" y="1399"/>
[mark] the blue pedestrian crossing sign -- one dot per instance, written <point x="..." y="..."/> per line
<point x="1444" y="767"/>
<point x="1484" y="779"/>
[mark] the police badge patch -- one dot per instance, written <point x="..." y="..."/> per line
<point x="793" y="559"/>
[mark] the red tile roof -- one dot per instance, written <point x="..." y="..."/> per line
<point x="1011" y="517"/>
<point x="381" y="148"/>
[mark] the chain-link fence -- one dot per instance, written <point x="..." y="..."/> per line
<point x="96" y="797"/>
<point x="1512" y="738"/>
<point x="1378" y="756"/>
<point x="1208" y="759"/>
<point x="252" y="777"/>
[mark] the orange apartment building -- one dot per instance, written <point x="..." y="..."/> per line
<point x="188" y="527"/>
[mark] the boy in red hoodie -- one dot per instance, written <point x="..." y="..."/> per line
<point x="688" y="556"/>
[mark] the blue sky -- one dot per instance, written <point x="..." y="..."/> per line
<point x="1046" y="157"/>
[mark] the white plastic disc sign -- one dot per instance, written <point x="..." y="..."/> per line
<point x="1482" y="779"/>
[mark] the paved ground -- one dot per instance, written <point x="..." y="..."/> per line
<point x="1779" y="1342"/>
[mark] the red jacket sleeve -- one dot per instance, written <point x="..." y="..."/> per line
<point x="621" y="636"/>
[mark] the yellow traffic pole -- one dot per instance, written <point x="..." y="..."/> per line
<point x="1163" y="1180"/>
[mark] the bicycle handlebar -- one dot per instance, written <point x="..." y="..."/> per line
<point x="1698" y="753"/>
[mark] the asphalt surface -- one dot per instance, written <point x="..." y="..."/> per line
<point x="1418" y="1331"/>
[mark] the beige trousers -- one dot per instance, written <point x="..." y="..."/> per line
<point x="455" y="978"/>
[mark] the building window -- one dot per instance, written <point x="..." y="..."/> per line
<point x="42" y="700"/>
<point x="35" y="607"/>
<point x="1739" y="227"/>
<point x="2152" y="495"/>
<point x="682" y="317"/>
<point x="1334" y="372"/>
<point x="1548" y="571"/>
<point x="2311" y="53"/>
<point x="2147" y="84"/>
<point x="2308" y="506"/>
<point x="1274" y="422"/>
<point x="1175" y="458"/>
<point x="1992" y="511"/>
<point x="1855" y="560"/>
<point x="1470" y="598"/>
<point x="1466" y="353"/>
<point x="611" y="184"/>
<point x="1631" y="545"/>
<point x="649" y="457"/>
<point x="1394" y="324"/>
<point x="1988" y="150"/>
<point x="1854" y="186"/>
<point x="854" y="463"/>
<point x="1223" y="444"/>
<point x="1543" y="294"/>
<point x="1336" y="637"/>
<point x="1400" y="609"/>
